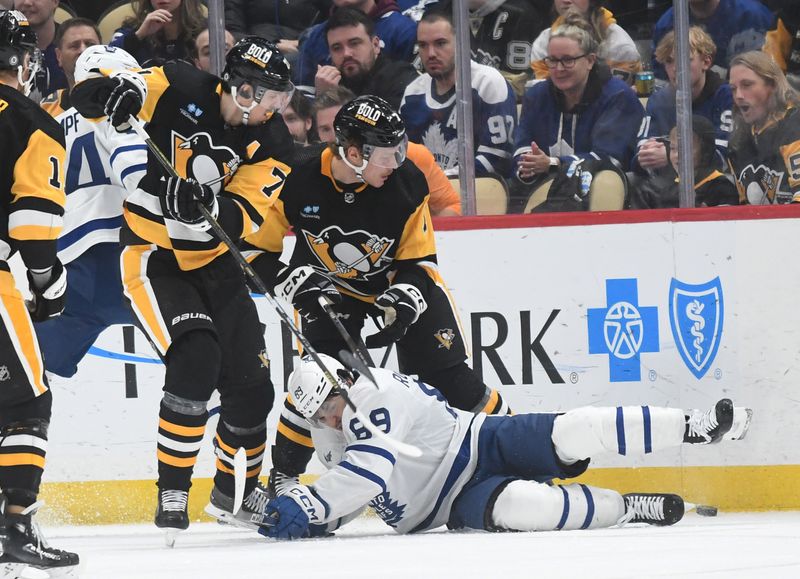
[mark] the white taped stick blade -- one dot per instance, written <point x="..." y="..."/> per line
<point x="239" y="478"/>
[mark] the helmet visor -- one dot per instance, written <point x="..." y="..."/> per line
<point x="387" y="157"/>
<point x="248" y="95"/>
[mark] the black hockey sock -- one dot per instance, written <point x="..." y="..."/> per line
<point x="227" y="441"/>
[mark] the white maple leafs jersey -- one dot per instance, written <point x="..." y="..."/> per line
<point x="431" y="120"/>
<point x="100" y="163"/>
<point x="409" y="494"/>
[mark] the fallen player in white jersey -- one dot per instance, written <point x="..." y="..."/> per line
<point x="476" y="471"/>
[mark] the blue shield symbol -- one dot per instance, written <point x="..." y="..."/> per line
<point x="696" y="313"/>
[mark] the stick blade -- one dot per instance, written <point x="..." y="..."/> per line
<point x="239" y="478"/>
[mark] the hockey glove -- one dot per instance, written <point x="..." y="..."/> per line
<point x="126" y="99"/>
<point x="293" y="514"/>
<point x="402" y="305"/>
<point x="302" y="287"/>
<point x="180" y="199"/>
<point x="48" y="297"/>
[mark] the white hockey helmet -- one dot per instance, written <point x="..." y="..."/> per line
<point x="106" y="57"/>
<point x="308" y="385"/>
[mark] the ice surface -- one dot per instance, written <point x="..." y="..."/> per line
<point x="731" y="545"/>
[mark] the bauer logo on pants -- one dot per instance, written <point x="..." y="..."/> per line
<point x="696" y="314"/>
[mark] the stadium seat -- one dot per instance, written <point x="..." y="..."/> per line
<point x="491" y="194"/>
<point x="608" y="192"/>
<point x="63" y="12"/>
<point x="113" y="17"/>
<point x="538" y="196"/>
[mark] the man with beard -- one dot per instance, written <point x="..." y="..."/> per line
<point x="429" y="112"/>
<point x="357" y="60"/>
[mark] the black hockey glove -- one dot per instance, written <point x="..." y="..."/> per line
<point x="302" y="287"/>
<point x="125" y="100"/>
<point x="48" y="297"/>
<point x="180" y="198"/>
<point x="402" y="305"/>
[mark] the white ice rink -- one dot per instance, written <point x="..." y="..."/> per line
<point x="735" y="545"/>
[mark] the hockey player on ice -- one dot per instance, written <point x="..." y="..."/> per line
<point x="476" y="471"/>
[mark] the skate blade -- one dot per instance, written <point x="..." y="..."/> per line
<point x="226" y="518"/>
<point x="169" y="537"/>
<point x="741" y="423"/>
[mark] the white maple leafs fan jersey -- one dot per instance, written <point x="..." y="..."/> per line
<point x="100" y="163"/>
<point x="409" y="494"/>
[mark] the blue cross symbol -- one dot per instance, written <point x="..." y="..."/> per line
<point x="623" y="330"/>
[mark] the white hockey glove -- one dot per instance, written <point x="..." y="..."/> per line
<point x="302" y="287"/>
<point x="402" y="304"/>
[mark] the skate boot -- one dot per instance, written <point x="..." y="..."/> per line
<point x="250" y="515"/>
<point x="279" y="483"/>
<point x="653" y="508"/>
<point x="709" y="427"/>
<point x="22" y="545"/>
<point x="172" y="513"/>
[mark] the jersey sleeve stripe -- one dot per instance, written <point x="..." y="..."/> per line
<point x="373" y="450"/>
<point x="364" y="473"/>
<point x="322" y="501"/>
<point x="125" y="149"/>
<point x="132" y="169"/>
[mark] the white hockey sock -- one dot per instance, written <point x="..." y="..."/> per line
<point x="530" y="506"/>
<point x="627" y="430"/>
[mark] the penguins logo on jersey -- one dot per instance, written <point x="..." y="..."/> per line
<point x="349" y="255"/>
<point x="445" y="337"/>
<point x="758" y="184"/>
<point x="197" y="157"/>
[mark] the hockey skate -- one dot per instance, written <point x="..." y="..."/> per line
<point x="279" y="483"/>
<point x="723" y="421"/>
<point x="250" y="515"/>
<point x="653" y="508"/>
<point x="172" y="513"/>
<point x="22" y="545"/>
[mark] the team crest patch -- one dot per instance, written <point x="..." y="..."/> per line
<point x="445" y="337"/>
<point x="4" y="373"/>
<point x="349" y="255"/>
<point x="198" y="158"/>
<point x="696" y="314"/>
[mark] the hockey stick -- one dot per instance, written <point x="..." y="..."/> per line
<point x="359" y="350"/>
<point x="401" y="447"/>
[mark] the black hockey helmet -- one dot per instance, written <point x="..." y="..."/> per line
<point x="369" y="120"/>
<point x="259" y="62"/>
<point x="16" y="38"/>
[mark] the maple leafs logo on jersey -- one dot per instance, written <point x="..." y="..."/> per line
<point x="349" y="255"/>
<point x="388" y="509"/>
<point x="445" y="152"/>
<point x="197" y="157"/>
<point x="759" y="185"/>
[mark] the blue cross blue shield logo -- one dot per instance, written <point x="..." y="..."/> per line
<point x="696" y="313"/>
<point x="623" y="330"/>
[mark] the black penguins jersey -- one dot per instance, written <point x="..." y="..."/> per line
<point x="242" y="163"/>
<point x="31" y="180"/>
<point x="766" y="165"/>
<point x="357" y="234"/>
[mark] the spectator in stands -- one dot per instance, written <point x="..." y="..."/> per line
<point x="429" y="112"/>
<point x="41" y="16"/>
<point x="162" y="30"/>
<point x="783" y="41"/>
<point x="74" y="36"/>
<point x="396" y="32"/>
<point x="202" y="49"/>
<point x="711" y="98"/>
<point x="299" y="119"/>
<point x="736" y="26"/>
<point x="278" y="20"/>
<point x="580" y="113"/>
<point x="357" y="60"/>
<point x="764" y="152"/>
<point x="615" y="46"/>
<point x="711" y="187"/>
<point x="444" y="200"/>
<point x="503" y="32"/>
<point x="6" y="4"/>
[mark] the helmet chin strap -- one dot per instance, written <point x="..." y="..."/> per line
<point x="358" y="170"/>
<point x="245" y="111"/>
